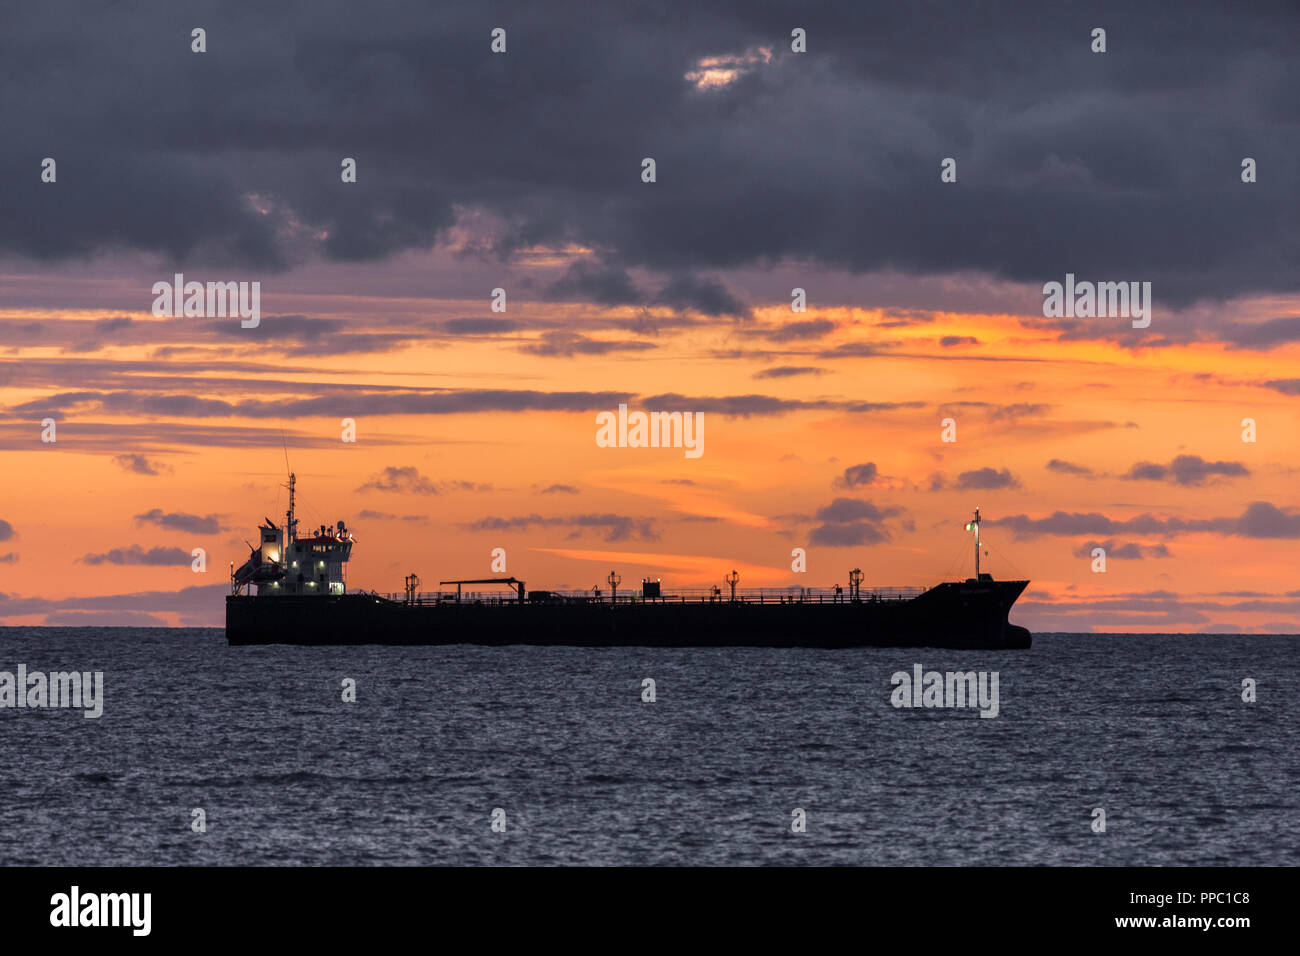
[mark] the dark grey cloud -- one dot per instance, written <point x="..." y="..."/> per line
<point x="1151" y="608"/>
<point x="9" y="557"/>
<point x="855" y="350"/>
<point x="1129" y="551"/>
<point x="140" y="464"/>
<point x="585" y="97"/>
<point x="569" y="344"/>
<point x="608" y="285"/>
<point x="6" y="530"/>
<point x="108" y="438"/>
<point x="407" y="480"/>
<point x="1187" y="470"/>
<point x="481" y="326"/>
<point x="151" y="374"/>
<point x="1260" y="520"/>
<point x="1287" y="386"/>
<point x="294" y="335"/>
<point x="789" y="371"/>
<point x="587" y="281"/>
<point x="856" y="476"/>
<point x="367" y="514"/>
<point x="104" y="619"/>
<point x="1069" y="468"/>
<point x="1087" y="615"/>
<point x="986" y="479"/>
<point x="205" y="600"/>
<point x="614" y="527"/>
<point x="998" y="412"/>
<point x="180" y="521"/>
<point x="154" y="557"/>
<point x="101" y="332"/>
<point x="796" y="331"/>
<point x="334" y="401"/>
<point x="905" y="318"/>
<point x="743" y="406"/>
<point x="948" y="341"/>
<point x="647" y="323"/>
<point x="698" y="294"/>
<point x="849" y="522"/>
<point x="404" y="480"/>
<point x="300" y="335"/>
<point x="559" y="490"/>
<point x="1264" y="335"/>
<point x="331" y="403"/>
<point x="189" y="406"/>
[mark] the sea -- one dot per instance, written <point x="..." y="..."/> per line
<point x="1105" y="750"/>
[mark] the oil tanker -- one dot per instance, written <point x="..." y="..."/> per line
<point x="302" y="598"/>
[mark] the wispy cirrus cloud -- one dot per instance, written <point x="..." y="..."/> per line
<point x="181" y="521"/>
<point x="797" y="331"/>
<point x="425" y="402"/>
<point x="1128" y="551"/>
<point x="1186" y="470"/>
<point x="558" y="489"/>
<point x="367" y="514"/>
<point x="568" y="344"/>
<point x="1260" y="520"/>
<point x="154" y="557"/>
<point x="789" y="371"/>
<point x="196" y="603"/>
<point x="614" y="527"/>
<point x="407" y="480"/>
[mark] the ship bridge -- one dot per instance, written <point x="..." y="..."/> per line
<point x="287" y="563"/>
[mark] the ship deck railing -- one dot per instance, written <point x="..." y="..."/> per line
<point x="675" y="596"/>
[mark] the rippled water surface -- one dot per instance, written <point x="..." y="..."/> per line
<point x="1152" y="729"/>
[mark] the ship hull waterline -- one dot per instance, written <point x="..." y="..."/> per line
<point x="960" y="615"/>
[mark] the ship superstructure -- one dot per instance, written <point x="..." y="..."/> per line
<point x="285" y="564"/>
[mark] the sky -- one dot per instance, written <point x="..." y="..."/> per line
<point x="1172" y="447"/>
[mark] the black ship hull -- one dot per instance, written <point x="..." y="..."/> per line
<point x="965" y="615"/>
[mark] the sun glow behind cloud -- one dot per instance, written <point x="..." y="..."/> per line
<point x="715" y="72"/>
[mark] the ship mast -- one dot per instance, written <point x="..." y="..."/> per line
<point x="291" y="523"/>
<point x="974" y="525"/>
